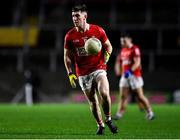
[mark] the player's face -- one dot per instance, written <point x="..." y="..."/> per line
<point x="78" y="18"/>
<point x="125" y="41"/>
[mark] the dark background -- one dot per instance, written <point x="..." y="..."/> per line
<point x="153" y="24"/>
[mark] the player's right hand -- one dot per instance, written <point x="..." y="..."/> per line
<point x="128" y="73"/>
<point x="72" y="79"/>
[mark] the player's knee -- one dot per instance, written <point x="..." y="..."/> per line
<point x="104" y="92"/>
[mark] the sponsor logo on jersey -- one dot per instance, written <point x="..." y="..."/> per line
<point x="81" y="51"/>
<point x="126" y="53"/>
<point x="126" y="62"/>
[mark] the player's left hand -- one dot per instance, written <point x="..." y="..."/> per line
<point x="128" y="73"/>
<point x="106" y="57"/>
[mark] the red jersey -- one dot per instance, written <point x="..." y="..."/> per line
<point x="75" y="41"/>
<point x="125" y="58"/>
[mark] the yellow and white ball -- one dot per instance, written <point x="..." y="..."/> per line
<point x="93" y="46"/>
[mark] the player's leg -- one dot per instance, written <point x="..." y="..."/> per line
<point x="137" y="85"/>
<point x="89" y="89"/>
<point x="140" y="105"/>
<point x="143" y="100"/>
<point x="103" y="89"/>
<point x="123" y="97"/>
<point x="134" y="99"/>
<point x="122" y="103"/>
<point x="95" y="109"/>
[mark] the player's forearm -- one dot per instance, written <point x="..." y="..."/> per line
<point x="108" y="47"/>
<point x="135" y="66"/>
<point x="68" y="64"/>
<point x="117" y="69"/>
<point x="68" y="68"/>
<point x="137" y="63"/>
<point x="67" y="61"/>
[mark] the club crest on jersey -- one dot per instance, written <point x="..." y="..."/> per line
<point x="85" y="38"/>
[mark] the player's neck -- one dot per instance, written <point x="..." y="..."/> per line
<point x="130" y="45"/>
<point x="84" y="28"/>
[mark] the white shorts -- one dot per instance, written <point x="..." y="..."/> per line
<point x="86" y="81"/>
<point x="132" y="82"/>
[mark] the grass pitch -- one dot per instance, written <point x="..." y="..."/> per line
<point x="68" y="121"/>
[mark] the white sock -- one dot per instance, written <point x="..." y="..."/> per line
<point x="119" y="114"/>
<point x="108" y="118"/>
<point x="100" y="123"/>
<point x="151" y="113"/>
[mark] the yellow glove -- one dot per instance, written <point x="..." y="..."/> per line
<point x="72" y="79"/>
<point x="106" y="57"/>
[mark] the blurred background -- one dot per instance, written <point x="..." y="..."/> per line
<point x="31" y="47"/>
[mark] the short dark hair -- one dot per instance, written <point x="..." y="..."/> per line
<point x="126" y="34"/>
<point x="79" y="7"/>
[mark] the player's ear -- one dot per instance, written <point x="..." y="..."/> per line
<point x="85" y="15"/>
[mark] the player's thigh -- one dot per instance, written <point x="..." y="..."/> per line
<point x="136" y="83"/>
<point x="124" y="82"/>
<point x="102" y="84"/>
<point x="85" y="82"/>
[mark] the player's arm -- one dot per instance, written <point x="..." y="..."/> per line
<point x="108" y="50"/>
<point x="68" y="66"/>
<point x="137" y="63"/>
<point x="108" y="45"/>
<point x="117" y="68"/>
<point x="67" y="60"/>
<point x="136" y="59"/>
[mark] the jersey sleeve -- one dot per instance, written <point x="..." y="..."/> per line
<point x="103" y="36"/>
<point x="136" y="52"/>
<point x="67" y="41"/>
